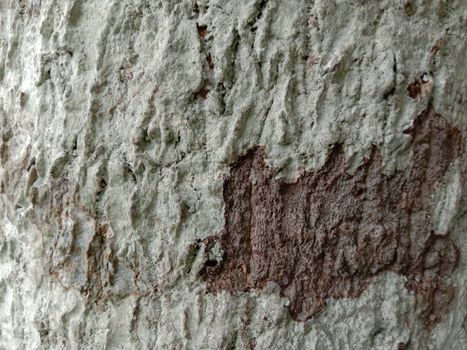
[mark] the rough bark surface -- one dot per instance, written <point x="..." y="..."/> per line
<point x="329" y="233"/>
<point x="169" y="176"/>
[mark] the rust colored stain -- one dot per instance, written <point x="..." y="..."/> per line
<point x="329" y="233"/>
<point x="202" y="31"/>
<point x="421" y="86"/>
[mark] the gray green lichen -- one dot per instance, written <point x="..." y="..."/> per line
<point x="119" y="120"/>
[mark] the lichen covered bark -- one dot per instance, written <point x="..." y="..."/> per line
<point x="152" y="153"/>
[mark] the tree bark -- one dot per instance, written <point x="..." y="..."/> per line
<point x="233" y="174"/>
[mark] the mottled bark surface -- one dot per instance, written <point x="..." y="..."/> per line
<point x="233" y="174"/>
<point x="329" y="233"/>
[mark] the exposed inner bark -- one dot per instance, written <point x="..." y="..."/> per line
<point x="328" y="234"/>
<point x="421" y="86"/>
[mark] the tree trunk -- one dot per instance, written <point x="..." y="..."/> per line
<point x="233" y="174"/>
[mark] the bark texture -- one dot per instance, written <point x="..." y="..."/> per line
<point x="329" y="233"/>
<point x="233" y="174"/>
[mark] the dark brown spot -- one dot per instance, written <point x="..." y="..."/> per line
<point x="401" y="346"/>
<point x="210" y="62"/>
<point x="414" y="89"/>
<point x="409" y="6"/>
<point x="435" y="48"/>
<point x="196" y="8"/>
<point x="202" y="31"/>
<point x="103" y="183"/>
<point x="421" y="86"/>
<point x="203" y="92"/>
<point x="329" y="233"/>
<point x="210" y="263"/>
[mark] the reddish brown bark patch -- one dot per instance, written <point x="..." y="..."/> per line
<point x="420" y="86"/>
<point x="328" y="234"/>
<point x="203" y="92"/>
<point x="202" y="31"/>
<point x="210" y="61"/>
